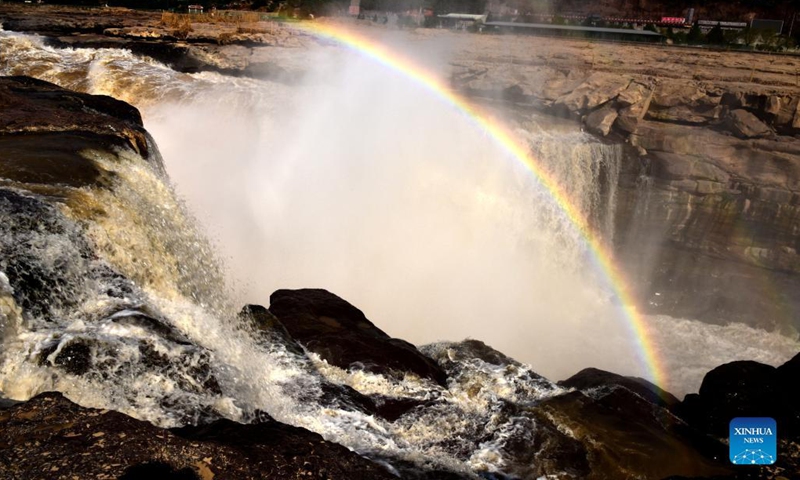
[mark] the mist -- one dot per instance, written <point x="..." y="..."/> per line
<point x="362" y="182"/>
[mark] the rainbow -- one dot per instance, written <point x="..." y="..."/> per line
<point x="648" y="354"/>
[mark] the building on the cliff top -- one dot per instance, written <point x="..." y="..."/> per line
<point x="546" y="29"/>
<point x="760" y="24"/>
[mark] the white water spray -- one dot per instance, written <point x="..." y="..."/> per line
<point x="364" y="184"/>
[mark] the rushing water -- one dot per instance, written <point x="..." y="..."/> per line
<point x="354" y="181"/>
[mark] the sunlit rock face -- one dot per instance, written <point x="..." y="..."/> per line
<point x="709" y="195"/>
<point x="705" y="211"/>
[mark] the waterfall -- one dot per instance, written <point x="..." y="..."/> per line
<point x="590" y="172"/>
<point x="354" y="181"/>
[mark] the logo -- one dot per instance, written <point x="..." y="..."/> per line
<point x="753" y="441"/>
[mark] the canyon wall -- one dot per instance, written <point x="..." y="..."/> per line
<point x="708" y="212"/>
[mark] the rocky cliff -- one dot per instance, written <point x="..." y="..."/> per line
<point x="228" y="45"/>
<point x="708" y="213"/>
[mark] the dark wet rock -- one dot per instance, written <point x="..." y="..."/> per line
<point x="751" y="389"/>
<point x="268" y="325"/>
<point x="270" y="329"/>
<point x="592" y="378"/>
<point x="55" y="160"/>
<point x="277" y="450"/>
<point x="789" y="374"/>
<point x="45" y="131"/>
<point x="621" y="432"/>
<point x="609" y="427"/>
<point x="471" y="348"/>
<point x="164" y="471"/>
<point x="542" y="446"/>
<point x="7" y="403"/>
<point x="473" y="353"/>
<point x="74" y="357"/>
<point x="35" y="106"/>
<point x="746" y="389"/>
<point x="51" y="437"/>
<point x="410" y="471"/>
<point x="158" y="327"/>
<point x="189" y="366"/>
<point x="341" y="334"/>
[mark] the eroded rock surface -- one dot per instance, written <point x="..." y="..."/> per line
<point x="341" y="334"/>
<point x="51" y="437"/>
<point x="708" y="206"/>
<point x="231" y="47"/>
<point x="62" y="124"/>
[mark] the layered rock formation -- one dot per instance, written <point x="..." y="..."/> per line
<point x="708" y="213"/>
<point x="62" y="124"/>
<point x="214" y="45"/>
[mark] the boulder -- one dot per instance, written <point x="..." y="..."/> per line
<point x="600" y="121"/>
<point x="744" y="389"/>
<point x="744" y="124"/>
<point x="635" y="93"/>
<point x="788" y="376"/>
<point x="31" y="105"/>
<point x="608" y="428"/>
<point x="597" y="90"/>
<point x="51" y="437"/>
<point x="62" y="124"/>
<point x="591" y="378"/>
<point x="267" y="325"/>
<point x="653" y="443"/>
<point x="750" y="389"/>
<point x="340" y="334"/>
<point x="269" y="329"/>
<point x="630" y="116"/>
